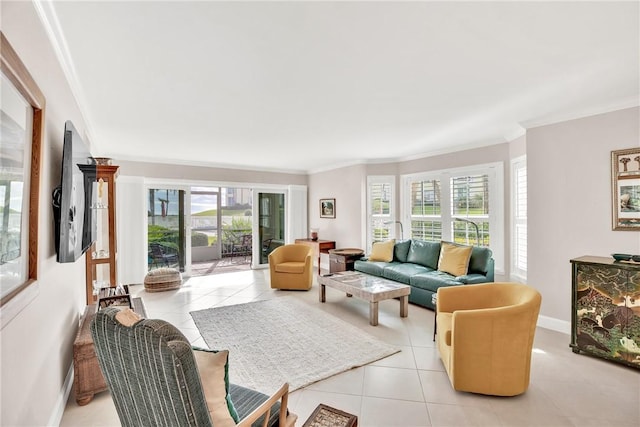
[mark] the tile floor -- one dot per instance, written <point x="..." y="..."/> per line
<point x="409" y="388"/>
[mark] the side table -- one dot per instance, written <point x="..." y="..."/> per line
<point x="319" y="247"/>
<point x="87" y="376"/>
<point x="343" y="259"/>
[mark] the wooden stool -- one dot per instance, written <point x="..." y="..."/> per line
<point x="162" y="279"/>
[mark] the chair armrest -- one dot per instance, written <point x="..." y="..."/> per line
<point x="283" y="420"/>
<point x="464" y="297"/>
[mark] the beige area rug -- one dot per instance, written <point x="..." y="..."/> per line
<point x="285" y="340"/>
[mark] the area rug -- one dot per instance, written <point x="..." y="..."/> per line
<point x="285" y="340"/>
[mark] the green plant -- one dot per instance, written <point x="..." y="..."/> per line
<point x="163" y="236"/>
<point x="199" y="239"/>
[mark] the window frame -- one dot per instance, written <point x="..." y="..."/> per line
<point x="18" y="75"/>
<point x="391" y="217"/>
<point x="517" y="273"/>
<point x="495" y="172"/>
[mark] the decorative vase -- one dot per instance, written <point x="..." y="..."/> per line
<point x="314" y="234"/>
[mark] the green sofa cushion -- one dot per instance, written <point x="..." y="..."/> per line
<point x="402" y="272"/>
<point x="401" y="250"/>
<point x="424" y="253"/>
<point x="433" y="280"/>
<point x="375" y="268"/>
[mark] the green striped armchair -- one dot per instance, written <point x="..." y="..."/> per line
<point x="153" y="377"/>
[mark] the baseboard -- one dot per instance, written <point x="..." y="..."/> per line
<point x="554" y="324"/>
<point x="61" y="402"/>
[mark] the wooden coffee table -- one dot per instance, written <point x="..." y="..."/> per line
<point x="369" y="288"/>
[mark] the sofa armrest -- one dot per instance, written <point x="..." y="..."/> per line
<point x="470" y="279"/>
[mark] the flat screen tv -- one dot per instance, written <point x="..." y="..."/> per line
<point x="73" y="201"/>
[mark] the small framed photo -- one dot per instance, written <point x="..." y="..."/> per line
<point x="625" y="189"/>
<point x="327" y="208"/>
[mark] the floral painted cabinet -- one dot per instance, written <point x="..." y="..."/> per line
<point x="605" y="320"/>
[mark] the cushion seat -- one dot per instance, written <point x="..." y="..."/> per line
<point x="290" y="267"/>
<point x="403" y="272"/>
<point x="375" y="268"/>
<point x="431" y="281"/>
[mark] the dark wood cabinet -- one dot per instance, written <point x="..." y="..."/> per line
<point x="605" y="318"/>
<point x="343" y="259"/>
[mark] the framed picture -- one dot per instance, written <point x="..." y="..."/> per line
<point x="625" y="189"/>
<point x="327" y="208"/>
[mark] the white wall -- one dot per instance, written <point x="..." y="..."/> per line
<point x="346" y="186"/>
<point x="569" y="206"/>
<point x="37" y="343"/>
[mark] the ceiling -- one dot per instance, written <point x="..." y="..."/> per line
<point x="309" y="86"/>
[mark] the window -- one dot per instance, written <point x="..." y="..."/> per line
<point x="460" y="205"/>
<point x="470" y="209"/>
<point x="426" y="213"/>
<point x="21" y="118"/>
<point x="380" y="209"/>
<point x="519" y="222"/>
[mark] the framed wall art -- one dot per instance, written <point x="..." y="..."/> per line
<point x="327" y="208"/>
<point x="625" y="189"/>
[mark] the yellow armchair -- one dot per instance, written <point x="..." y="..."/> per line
<point x="291" y="267"/>
<point x="485" y="336"/>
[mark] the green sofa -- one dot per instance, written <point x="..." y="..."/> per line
<point x="415" y="263"/>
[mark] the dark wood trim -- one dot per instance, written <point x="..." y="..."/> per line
<point x="15" y="70"/>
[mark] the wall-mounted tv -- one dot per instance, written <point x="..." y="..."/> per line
<point x="73" y="201"/>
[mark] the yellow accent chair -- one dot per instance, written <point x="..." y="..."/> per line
<point x="291" y="267"/>
<point x="485" y="336"/>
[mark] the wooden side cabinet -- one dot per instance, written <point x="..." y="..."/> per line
<point x="605" y="317"/>
<point x="88" y="379"/>
<point x="319" y="247"/>
<point x="343" y="259"/>
<point x="101" y="258"/>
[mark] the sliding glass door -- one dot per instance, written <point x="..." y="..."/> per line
<point x="270" y="224"/>
<point x="166" y="231"/>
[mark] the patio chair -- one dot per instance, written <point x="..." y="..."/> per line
<point x="243" y="248"/>
<point x="157" y="379"/>
<point x="158" y="255"/>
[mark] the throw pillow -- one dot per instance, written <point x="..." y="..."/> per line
<point x="128" y="317"/>
<point x="214" y="375"/>
<point x="454" y="259"/>
<point x="382" y="251"/>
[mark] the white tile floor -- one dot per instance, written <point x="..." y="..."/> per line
<point x="409" y="388"/>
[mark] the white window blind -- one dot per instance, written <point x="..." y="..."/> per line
<point x="519" y="209"/>
<point x="426" y="210"/>
<point x="380" y="212"/>
<point x="470" y="209"/>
